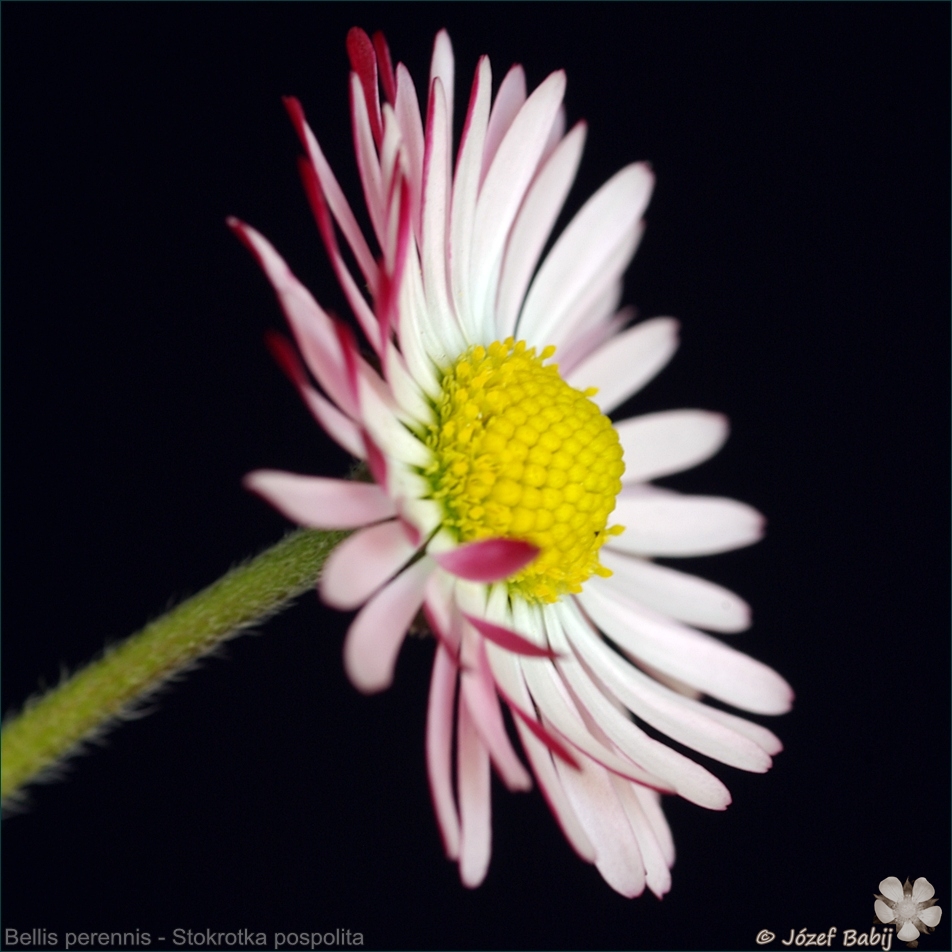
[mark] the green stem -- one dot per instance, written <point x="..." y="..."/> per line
<point x="51" y="725"/>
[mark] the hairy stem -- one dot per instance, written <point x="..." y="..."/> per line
<point x="51" y="725"/>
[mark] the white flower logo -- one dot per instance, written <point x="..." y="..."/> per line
<point x="910" y="907"/>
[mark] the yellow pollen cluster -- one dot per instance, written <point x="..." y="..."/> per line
<point x="520" y="454"/>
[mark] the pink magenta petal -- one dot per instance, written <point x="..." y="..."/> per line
<point x="489" y="560"/>
<point x="374" y="638"/>
<point x="363" y="62"/>
<point x="509" y="639"/>
<point x="474" y="802"/>
<point x="439" y="748"/>
<point x="361" y="564"/>
<point x="319" y="502"/>
<point x="386" y="66"/>
<point x="479" y="696"/>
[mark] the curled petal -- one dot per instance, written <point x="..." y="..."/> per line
<point x="489" y="560"/>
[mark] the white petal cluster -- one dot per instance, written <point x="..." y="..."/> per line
<point x="459" y="265"/>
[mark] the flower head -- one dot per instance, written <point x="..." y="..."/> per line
<point x="910" y="906"/>
<point x="505" y="502"/>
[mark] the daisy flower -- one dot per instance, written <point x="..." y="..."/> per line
<point x="504" y="502"/>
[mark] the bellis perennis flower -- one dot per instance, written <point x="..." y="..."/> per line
<point x="505" y="503"/>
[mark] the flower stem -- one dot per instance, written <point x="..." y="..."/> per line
<point x="53" y="724"/>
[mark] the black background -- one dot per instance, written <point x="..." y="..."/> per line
<point x="800" y="232"/>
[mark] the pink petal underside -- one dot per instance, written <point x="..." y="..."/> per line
<point x="374" y="638"/>
<point x="684" y="597"/>
<point x="472" y="761"/>
<point x="508" y="639"/>
<point x="335" y="424"/>
<point x="682" y="719"/>
<point x="536" y="742"/>
<point x="691" y="656"/>
<point x="605" y="223"/>
<point x="313" y="329"/>
<point x="465" y="190"/>
<point x="336" y="200"/>
<point x="358" y="304"/>
<point x="658" y="444"/>
<point x="489" y="560"/>
<point x="533" y="225"/>
<point x="368" y="163"/>
<point x="319" y="502"/>
<point x="363" y="61"/>
<point x="439" y="748"/>
<point x="617" y="856"/>
<point x="479" y="695"/>
<point x="509" y="100"/>
<point x="505" y="185"/>
<point x="436" y="204"/>
<point x="442" y="67"/>
<point x="407" y="110"/>
<point x="657" y="872"/>
<point x="386" y="66"/>
<point x="669" y="524"/>
<point x="622" y="366"/>
<point x="363" y="563"/>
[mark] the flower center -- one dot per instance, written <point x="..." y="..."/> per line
<point x="520" y="454"/>
<point x="907" y="909"/>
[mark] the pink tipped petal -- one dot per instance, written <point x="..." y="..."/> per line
<point x="386" y="66"/>
<point x="439" y="748"/>
<point x="374" y="638"/>
<point x="605" y="223"/>
<point x="313" y="329"/>
<point x="684" y="597"/>
<point x="443" y="68"/>
<point x="361" y="564"/>
<point x="669" y="524"/>
<point x="368" y="163"/>
<point x="474" y="801"/>
<point x="691" y="656"/>
<point x="321" y="503"/>
<point x="363" y="61"/>
<point x="336" y="424"/>
<point x="659" y="444"/>
<point x="508" y="639"/>
<point x="621" y="367"/>
<point x="407" y="110"/>
<point x="478" y="694"/>
<point x="490" y="560"/>
<point x="339" y="206"/>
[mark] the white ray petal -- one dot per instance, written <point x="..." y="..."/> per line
<point x="684" y="597"/>
<point x="658" y="444"/>
<point x="319" y="502"/>
<point x="623" y="365"/>
<point x="669" y="524"/>
<point x="691" y="656"/>
<point x="605" y="222"/>
<point x="472" y="762"/>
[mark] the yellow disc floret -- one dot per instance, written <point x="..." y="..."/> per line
<point x="520" y="454"/>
